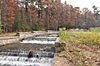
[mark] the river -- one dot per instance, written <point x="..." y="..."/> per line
<point x="17" y="54"/>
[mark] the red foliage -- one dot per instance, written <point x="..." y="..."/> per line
<point x="56" y="13"/>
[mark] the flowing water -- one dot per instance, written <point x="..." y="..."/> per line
<point x="17" y="54"/>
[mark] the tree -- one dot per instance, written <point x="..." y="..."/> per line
<point x="88" y="18"/>
<point x="8" y="16"/>
<point x="24" y="15"/>
<point x="96" y="11"/>
<point x="0" y="18"/>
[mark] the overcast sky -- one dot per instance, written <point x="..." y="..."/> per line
<point x="83" y="3"/>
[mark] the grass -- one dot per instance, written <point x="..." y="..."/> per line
<point x="95" y="29"/>
<point x="78" y="56"/>
<point x="80" y="37"/>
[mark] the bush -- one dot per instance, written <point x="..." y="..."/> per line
<point x="35" y="27"/>
<point x="19" y="26"/>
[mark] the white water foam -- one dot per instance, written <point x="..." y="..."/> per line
<point x="21" y="61"/>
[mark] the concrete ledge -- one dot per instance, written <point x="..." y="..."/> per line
<point x="14" y="39"/>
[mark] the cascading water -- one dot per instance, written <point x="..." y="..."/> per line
<point x="17" y="54"/>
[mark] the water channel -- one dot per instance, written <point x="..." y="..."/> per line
<point x="42" y="47"/>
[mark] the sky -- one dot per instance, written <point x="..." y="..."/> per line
<point x="83" y="3"/>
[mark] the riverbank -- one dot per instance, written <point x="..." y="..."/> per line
<point x="80" y="49"/>
<point x="78" y="55"/>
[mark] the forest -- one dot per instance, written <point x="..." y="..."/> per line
<point x="29" y="15"/>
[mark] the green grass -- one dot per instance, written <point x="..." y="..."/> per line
<point x="95" y="29"/>
<point x="78" y="55"/>
<point x="80" y="37"/>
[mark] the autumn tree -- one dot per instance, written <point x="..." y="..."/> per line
<point x="0" y="16"/>
<point x="27" y="15"/>
<point x="8" y="16"/>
